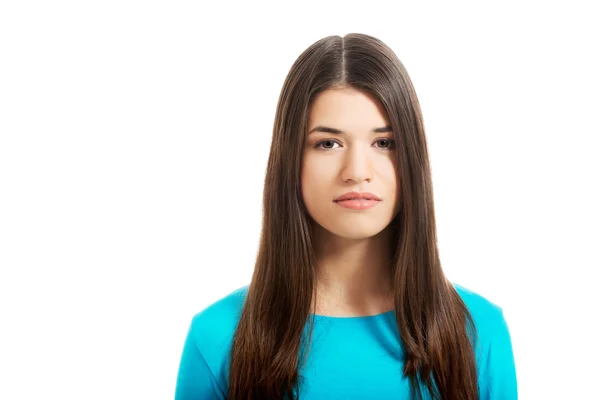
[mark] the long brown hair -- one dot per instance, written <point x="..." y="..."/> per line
<point x="435" y="326"/>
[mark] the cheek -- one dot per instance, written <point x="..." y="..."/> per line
<point x="315" y="180"/>
<point x="306" y="179"/>
<point x="386" y="170"/>
<point x="312" y="169"/>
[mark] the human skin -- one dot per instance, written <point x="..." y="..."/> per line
<point x="352" y="247"/>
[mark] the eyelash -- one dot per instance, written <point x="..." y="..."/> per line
<point x="318" y="145"/>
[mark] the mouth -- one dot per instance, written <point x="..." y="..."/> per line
<point x="357" y="196"/>
<point x="357" y="203"/>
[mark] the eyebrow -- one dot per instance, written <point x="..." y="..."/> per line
<point x="326" y="129"/>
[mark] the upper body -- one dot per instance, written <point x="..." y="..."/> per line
<point x="349" y="358"/>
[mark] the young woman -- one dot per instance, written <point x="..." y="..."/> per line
<point x="348" y="299"/>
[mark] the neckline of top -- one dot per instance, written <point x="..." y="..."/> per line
<point x="361" y="318"/>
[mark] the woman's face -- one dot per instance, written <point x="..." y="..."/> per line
<point x="357" y="159"/>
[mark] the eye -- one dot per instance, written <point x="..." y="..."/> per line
<point x="328" y="141"/>
<point x="389" y="144"/>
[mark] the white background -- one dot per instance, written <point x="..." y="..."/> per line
<point x="133" y="144"/>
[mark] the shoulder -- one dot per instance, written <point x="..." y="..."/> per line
<point x="488" y="317"/>
<point x="486" y="314"/>
<point x="212" y="329"/>
<point x="219" y="319"/>
<point x="222" y="315"/>
<point x="494" y="352"/>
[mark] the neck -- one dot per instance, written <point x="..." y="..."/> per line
<point x="354" y="275"/>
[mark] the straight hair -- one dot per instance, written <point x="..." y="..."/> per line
<point x="436" y="329"/>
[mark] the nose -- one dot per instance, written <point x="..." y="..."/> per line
<point x="357" y="165"/>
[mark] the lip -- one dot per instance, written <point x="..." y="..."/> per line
<point x="357" y="201"/>
<point x="357" y="196"/>
<point x="358" y="204"/>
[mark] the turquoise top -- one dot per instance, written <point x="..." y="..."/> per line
<point x="350" y="357"/>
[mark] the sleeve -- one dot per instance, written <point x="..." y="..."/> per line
<point x="195" y="380"/>
<point x="501" y="377"/>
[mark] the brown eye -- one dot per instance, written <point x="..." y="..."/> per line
<point x="328" y="142"/>
<point x="388" y="144"/>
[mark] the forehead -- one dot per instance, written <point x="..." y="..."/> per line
<point x="347" y="108"/>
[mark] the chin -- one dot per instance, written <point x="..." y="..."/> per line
<point x="356" y="232"/>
